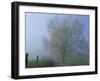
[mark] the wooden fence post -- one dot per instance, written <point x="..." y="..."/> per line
<point x="37" y="59"/>
<point x="42" y="58"/>
<point x="26" y="60"/>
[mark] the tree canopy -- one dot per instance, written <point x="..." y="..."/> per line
<point x="65" y="36"/>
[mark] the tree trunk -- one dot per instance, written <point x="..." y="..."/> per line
<point x="59" y="60"/>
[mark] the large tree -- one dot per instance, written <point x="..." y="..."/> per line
<point x="64" y="36"/>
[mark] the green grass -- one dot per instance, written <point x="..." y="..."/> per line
<point x="40" y="63"/>
<point x="69" y="61"/>
<point x="74" y="59"/>
<point x="75" y="62"/>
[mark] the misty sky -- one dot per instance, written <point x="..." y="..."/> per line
<point x="36" y="29"/>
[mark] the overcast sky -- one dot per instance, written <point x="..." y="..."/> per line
<point x="36" y="29"/>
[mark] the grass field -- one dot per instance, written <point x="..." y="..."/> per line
<point x="69" y="61"/>
<point x="48" y="63"/>
<point x="40" y="63"/>
<point x="76" y="62"/>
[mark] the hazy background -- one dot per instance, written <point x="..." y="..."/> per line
<point x="36" y="29"/>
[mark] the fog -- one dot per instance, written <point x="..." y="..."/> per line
<point x="36" y="30"/>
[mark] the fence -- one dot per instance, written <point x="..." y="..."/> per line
<point x="37" y="59"/>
